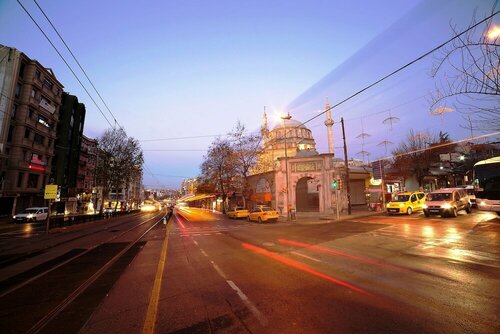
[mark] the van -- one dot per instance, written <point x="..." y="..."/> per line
<point x="447" y="202"/>
<point x="31" y="215"/>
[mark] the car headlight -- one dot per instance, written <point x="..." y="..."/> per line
<point x="401" y="205"/>
<point x="446" y="206"/>
<point x="388" y="205"/>
<point x="29" y="216"/>
<point x="424" y="206"/>
<point x="14" y="217"/>
<point x="482" y="203"/>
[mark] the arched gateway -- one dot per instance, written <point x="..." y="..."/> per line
<point x="307" y="195"/>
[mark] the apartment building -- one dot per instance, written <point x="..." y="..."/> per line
<point x="30" y="97"/>
<point x="85" y="185"/>
<point x="65" y="165"/>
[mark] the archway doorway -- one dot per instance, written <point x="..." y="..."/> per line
<point x="307" y="195"/>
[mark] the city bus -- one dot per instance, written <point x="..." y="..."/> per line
<point x="487" y="183"/>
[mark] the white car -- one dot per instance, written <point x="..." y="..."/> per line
<point x="31" y="215"/>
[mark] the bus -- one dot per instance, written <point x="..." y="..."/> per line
<point x="487" y="183"/>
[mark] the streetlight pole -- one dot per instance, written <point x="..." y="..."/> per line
<point x="288" y="205"/>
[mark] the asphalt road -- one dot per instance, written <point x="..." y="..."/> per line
<point x="203" y="273"/>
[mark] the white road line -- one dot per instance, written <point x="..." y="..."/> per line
<point x="221" y="273"/>
<point x="195" y="242"/>
<point x="203" y="252"/>
<point x="307" y="257"/>
<point x="262" y="319"/>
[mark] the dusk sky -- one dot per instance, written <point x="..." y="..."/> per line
<point x="177" y="69"/>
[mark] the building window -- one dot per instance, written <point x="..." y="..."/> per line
<point x="31" y="113"/>
<point x="14" y="110"/>
<point x="21" y="70"/>
<point x="37" y="74"/>
<point x="18" y="90"/>
<point x="26" y="155"/>
<point x="10" y="134"/>
<point x="33" y="180"/>
<point x="27" y="133"/>
<point x="33" y="93"/>
<point x="45" y="100"/>
<point x="42" y="120"/>
<point x="39" y="139"/>
<point x="47" y="83"/>
<point x="20" y="177"/>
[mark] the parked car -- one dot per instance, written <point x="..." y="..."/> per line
<point x="31" y="215"/>
<point x="447" y="201"/>
<point x="238" y="212"/>
<point x="406" y="202"/>
<point x="469" y="188"/>
<point x="262" y="214"/>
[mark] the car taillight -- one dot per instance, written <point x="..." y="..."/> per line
<point x="264" y="214"/>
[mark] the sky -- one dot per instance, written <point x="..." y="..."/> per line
<point x="169" y="70"/>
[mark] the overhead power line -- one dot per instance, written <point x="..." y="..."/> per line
<point x="400" y="68"/>
<point x="76" y="60"/>
<point x="64" y="60"/>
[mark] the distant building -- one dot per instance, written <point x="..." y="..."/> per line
<point x="30" y="97"/>
<point x="68" y="143"/>
<point x="86" y="180"/>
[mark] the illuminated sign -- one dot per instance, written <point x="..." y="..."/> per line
<point x="36" y="167"/>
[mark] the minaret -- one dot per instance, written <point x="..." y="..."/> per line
<point x="264" y="130"/>
<point x="329" y="123"/>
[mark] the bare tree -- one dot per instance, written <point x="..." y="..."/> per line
<point x="219" y="168"/>
<point x="469" y="76"/>
<point x="246" y="149"/>
<point x="120" y="161"/>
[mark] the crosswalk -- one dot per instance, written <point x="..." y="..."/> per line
<point x="208" y="230"/>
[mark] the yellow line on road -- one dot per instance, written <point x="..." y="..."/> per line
<point x="150" y="321"/>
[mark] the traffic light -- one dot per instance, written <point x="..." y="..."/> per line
<point x="335" y="184"/>
<point x="341" y="184"/>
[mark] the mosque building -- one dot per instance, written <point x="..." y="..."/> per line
<point x="291" y="175"/>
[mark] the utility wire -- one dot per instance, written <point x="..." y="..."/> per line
<point x="64" y="60"/>
<point x="400" y="68"/>
<point x="76" y="60"/>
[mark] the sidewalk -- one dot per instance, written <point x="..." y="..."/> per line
<point x="321" y="218"/>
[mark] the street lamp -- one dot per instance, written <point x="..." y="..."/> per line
<point x="288" y="206"/>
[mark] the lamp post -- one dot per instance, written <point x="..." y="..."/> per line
<point x="288" y="206"/>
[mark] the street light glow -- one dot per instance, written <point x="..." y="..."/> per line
<point x="493" y="33"/>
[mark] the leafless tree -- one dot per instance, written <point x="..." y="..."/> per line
<point x="120" y="161"/>
<point x="219" y="168"/>
<point x="468" y="73"/>
<point x="246" y="149"/>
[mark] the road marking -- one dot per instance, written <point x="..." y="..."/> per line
<point x="221" y="273"/>
<point x="307" y="257"/>
<point x="150" y="321"/>
<point x="262" y="319"/>
<point x="195" y="242"/>
<point x="203" y="252"/>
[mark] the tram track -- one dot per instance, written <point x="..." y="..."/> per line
<point x="110" y="254"/>
<point x="19" y="258"/>
<point x="4" y="285"/>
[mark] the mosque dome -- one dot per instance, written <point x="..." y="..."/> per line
<point x="289" y="123"/>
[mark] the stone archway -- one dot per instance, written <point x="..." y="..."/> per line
<point x="306" y="195"/>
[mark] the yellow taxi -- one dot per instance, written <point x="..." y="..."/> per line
<point x="406" y="202"/>
<point x="262" y="214"/>
<point x="237" y="212"/>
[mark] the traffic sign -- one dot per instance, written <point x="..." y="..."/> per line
<point x="50" y="191"/>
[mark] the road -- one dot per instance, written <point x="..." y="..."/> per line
<point x="203" y="273"/>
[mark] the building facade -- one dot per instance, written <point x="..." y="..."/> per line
<point x="29" y="112"/>
<point x="292" y="175"/>
<point x="68" y="143"/>
<point x="86" y="180"/>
